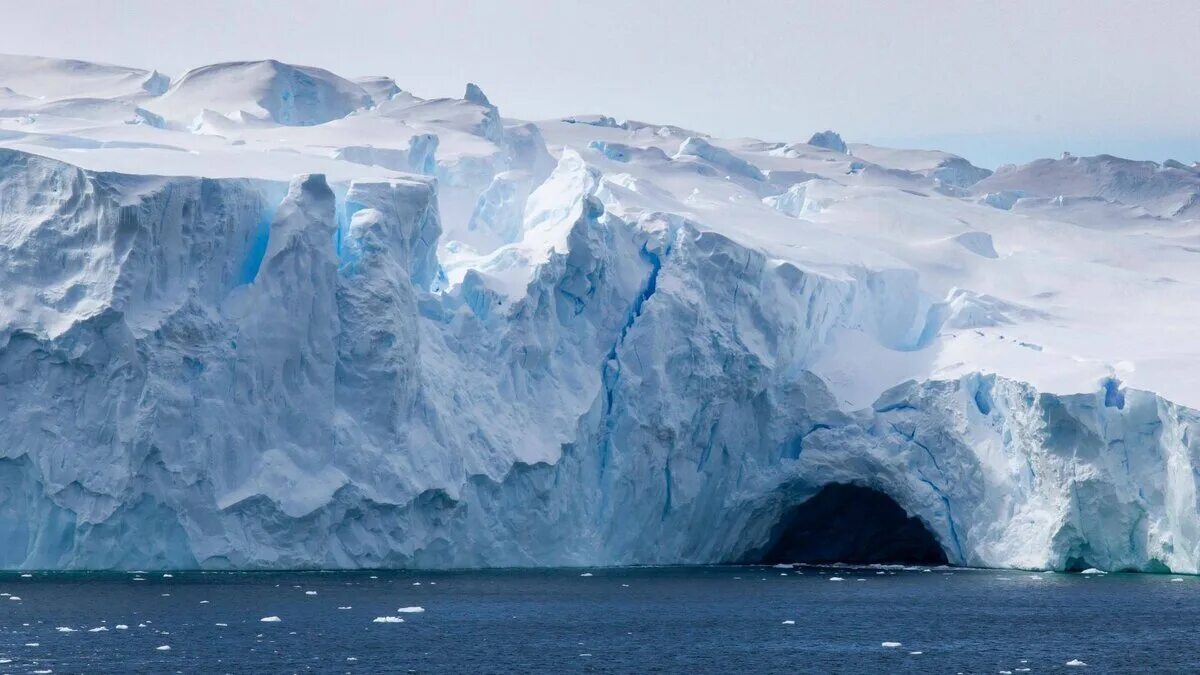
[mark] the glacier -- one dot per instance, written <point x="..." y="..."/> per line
<point x="264" y="316"/>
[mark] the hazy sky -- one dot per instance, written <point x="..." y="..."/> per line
<point x="996" y="81"/>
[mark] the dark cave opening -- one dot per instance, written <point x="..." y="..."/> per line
<point x="850" y="524"/>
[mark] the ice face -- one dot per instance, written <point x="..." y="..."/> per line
<point x="457" y="340"/>
<point x="830" y="140"/>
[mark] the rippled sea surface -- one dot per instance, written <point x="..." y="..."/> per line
<point x="670" y="620"/>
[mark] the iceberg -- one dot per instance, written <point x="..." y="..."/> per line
<point x="412" y="333"/>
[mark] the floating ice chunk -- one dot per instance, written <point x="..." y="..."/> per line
<point x="65" y="629"/>
<point x="47" y="671"/>
<point x="168" y="576"/>
<point x="783" y="566"/>
<point x="163" y="648"/>
<point x="889" y="645"/>
<point x="221" y="625"/>
<point x="836" y="579"/>
<point x="98" y="629"/>
<point x="32" y="644"/>
<point x="270" y="619"/>
<point x="586" y="574"/>
<point x="351" y="658"/>
<point x="121" y="626"/>
<point x="387" y="619"/>
<point x="1092" y="570"/>
<point x="1076" y="663"/>
<point x="310" y="592"/>
<point x="26" y="576"/>
<point x="204" y="602"/>
<point x="14" y="597"/>
<point x="789" y="622"/>
<point x="346" y="607"/>
<point x="917" y="653"/>
<point x="411" y="610"/>
<point x="1177" y="579"/>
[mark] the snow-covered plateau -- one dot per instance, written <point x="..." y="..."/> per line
<point x="264" y="316"/>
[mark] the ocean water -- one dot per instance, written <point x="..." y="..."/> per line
<point x="630" y="620"/>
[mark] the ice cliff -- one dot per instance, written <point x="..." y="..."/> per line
<point x="417" y="333"/>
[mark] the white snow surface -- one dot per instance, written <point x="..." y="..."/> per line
<point x="264" y="316"/>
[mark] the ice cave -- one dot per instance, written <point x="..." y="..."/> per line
<point x="850" y="523"/>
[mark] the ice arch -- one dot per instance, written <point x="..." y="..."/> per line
<point x="851" y="524"/>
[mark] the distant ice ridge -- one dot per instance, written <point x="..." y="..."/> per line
<point x="471" y="341"/>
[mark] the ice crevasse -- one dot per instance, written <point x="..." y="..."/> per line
<point x="255" y="373"/>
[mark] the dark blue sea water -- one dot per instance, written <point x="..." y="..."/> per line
<point x="642" y="620"/>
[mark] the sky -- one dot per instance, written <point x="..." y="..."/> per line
<point x="997" y="82"/>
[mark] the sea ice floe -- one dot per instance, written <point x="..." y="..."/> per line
<point x="889" y="644"/>
<point x="270" y="619"/>
<point x="387" y="619"/>
<point x="163" y="648"/>
<point x="310" y="592"/>
<point x="836" y="579"/>
<point x="789" y="622"/>
<point x="121" y="626"/>
<point x="98" y="629"/>
<point x="1076" y="663"/>
<point x="411" y="610"/>
<point x="1092" y="570"/>
<point x="65" y="629"/>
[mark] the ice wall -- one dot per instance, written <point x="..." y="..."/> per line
<point x="235" y="373"/>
